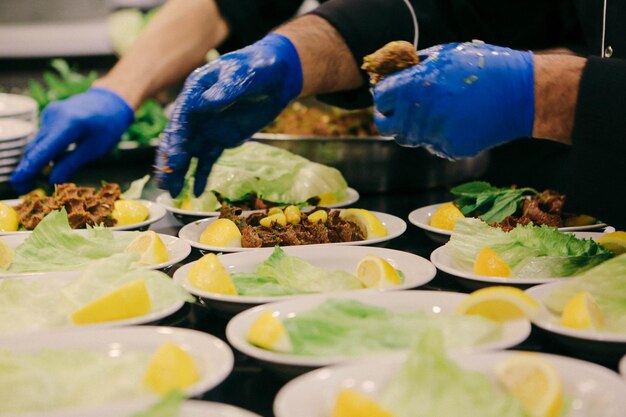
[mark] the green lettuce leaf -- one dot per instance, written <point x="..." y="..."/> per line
<point x="136" y="188"/>
<point x="54" y="246"/>
<point x="349" y="327"/>
<point x="530" y="251"/>
<point x="207" y="201"/>
<point x="607" y="283"/>
<point x="28" y="305"/>
<point x="168" y="406"/>
<point x="430" y="384"/>
<point x="272" y="173"/>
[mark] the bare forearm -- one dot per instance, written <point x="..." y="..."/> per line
<point x="327" y="64"/>
<point x="172" y="45"/>
<point x="557" y="78"/>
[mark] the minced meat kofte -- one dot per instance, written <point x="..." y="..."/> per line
<point x="84" y="205"/>
<point x="254" y="235"/>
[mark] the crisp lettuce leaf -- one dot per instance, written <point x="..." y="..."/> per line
<point x="272" y="173"/>
<point x="350" y="327"/>
<point x="55" y="246"/>
<point x="136" y="188"/>
<point x="52" y="379"/>
<point x="28" y="305"/>
<point x="168" y="406"/>
<point x="530" y="251"/>
<point x="430" y="384"/>
<point x="207" y="201"/>
<point x="607" y="283"/>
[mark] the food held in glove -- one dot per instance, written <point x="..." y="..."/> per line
<point x="393" y="57"/>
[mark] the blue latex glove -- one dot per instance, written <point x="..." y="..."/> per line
<point x="94" y="120"/>
<point x="223" y="103"/>
<point x="460" y="99"/>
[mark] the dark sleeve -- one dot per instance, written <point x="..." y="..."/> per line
<point x="599" y="141"/>
<point x="250" y="20"/>
<point x="367" y="25"/>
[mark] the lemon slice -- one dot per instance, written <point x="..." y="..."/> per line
<point x="534" y="382"/>
<point x="327" y="199"/>
<point x="615" y="242"/>
<point x="170" y="368"/>
<point x="579" y="220"/>
<point x="445" y="216"/>
<point x="351" y="403"/>
<point x="490" y="264"/>
<point x="367" y="221"/>
<point x="221" y="232"/>
<point x="208" y="274"/>
<point x="129" y="300"/>
<point x="6" y="254"/>
<point x="129" y="212"/>
<point x="499" y="303"/>
<point x="151" y="248"/>
<point x="375" y="272"/>
<point x="268" y="332"/>
<point x="582" y="312"/>
<point x="9" y="222"/>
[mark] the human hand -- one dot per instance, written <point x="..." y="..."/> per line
<point x="93" y="120"/>
<point x="223" y="103"/>
<point x="461" y="99"/>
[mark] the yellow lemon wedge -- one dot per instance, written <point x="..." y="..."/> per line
<point x="499" y="303"/>
<point x="375" y="272"/>
<point x="129" y="300"/>
<point x="208" y="274"/>
<point x="351" y="403"/>
<point x="582" y="312"/>
<point x="9" y="222"/>
<point x="367" y="221"/>
<point x="490" y="264"/>
<point x="579" y="220"/>
<point x="326" y="199"/>
<point x="534" y="382"/>
<point x="186" y="204"/>
<point x="129" y="212"/>
<point x="6" y="254"/>
<point x="445" y="216"/>
<point x="151" y="248"/>
<point x="170" y="368"/>
<point x="268" y="332"/>
<point x="615" y="242"/>
<point x="221" y="232"/>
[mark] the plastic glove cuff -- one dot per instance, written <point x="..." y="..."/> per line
<point x="288" y="54"/>
<point x="127" y="114"/>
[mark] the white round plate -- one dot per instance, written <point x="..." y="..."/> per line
<point x="417" y="271"/>
<point x="192" y="231"/>
<point x="435" y="302"/>
<point x="177" y="250"/>
<point x="189" y="408"/>
<point x="421" y="218"/>
<point x="585" y="342"/>
<point x="213" y="357"/>
<point x="589" y="389"/>
<point x="66" y="277"/>
<point x="164" y="199"/>
<point x="447" y="264"/>
<point x="156" y="213"/>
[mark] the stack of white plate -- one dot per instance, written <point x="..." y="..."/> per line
<point x="14" y="135"/>
<point x="16" y="106"/>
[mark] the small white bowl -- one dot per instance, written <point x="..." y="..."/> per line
<point x="17" y="106"/>
<point x="15" y="130"/>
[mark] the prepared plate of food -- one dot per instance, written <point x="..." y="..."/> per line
<point x="85" y="207"/>
<point x="254" y="176"/>
<point x="431" y="382"/>
<point x="72" y="372"/>
<point x="233" y="282"/>
<point x="295" y="336"/>
<point x="587" y="314"/>
<point x="115" y="291"/>
<point x="503" y="207"/>
<point x="481" y="255"/>
<point x="235" y="231"/>
<point x="55" y="246"/>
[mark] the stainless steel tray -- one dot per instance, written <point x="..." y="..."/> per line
<point x="379" y="164"/>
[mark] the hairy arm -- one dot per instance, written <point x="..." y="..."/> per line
<point x="327" y="64"/>
<point x="557" y="78"/>
<point x="172" y="45"/>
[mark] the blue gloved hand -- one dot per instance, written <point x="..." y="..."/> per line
<point x="223" y="103"/>
<point x="460" y="99"/>
<point x="94" y="120"/>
